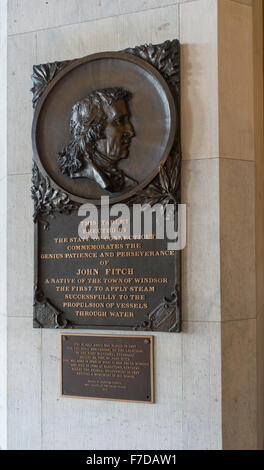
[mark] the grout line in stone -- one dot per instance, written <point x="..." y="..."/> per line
<point x="217" y="158"/>
<point x="241" y="2"/>
<point x="201" y="321"/>
<point x="113" y="16"/>
<point x="98" y="19"/>
<point x="183" y="160"/>
<point x="19" y="174"/>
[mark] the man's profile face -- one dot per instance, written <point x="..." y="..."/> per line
<point x="118" y="131"/>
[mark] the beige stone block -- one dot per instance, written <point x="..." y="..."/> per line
<point x="245" y="2"/>
<point x="3" y="22"/>
<point x="201" y="386"/>
<point x="119" y="32"/>
<point x="3" y="245"/>
<point x="259" y="150"/>
<point x="201" y="256"/>
<point x="103" y="424"/>
<point x="3" y="342"/>
<point x="260" y="379"/>
<point x="153" y="26"/>
<point x="55" y="13"/>
<point x="24" y="385"/>
<point x="259" y="143"/>
<point x="237" y="228"/>
<point x="199" y="79"/>
<point x="236" y="120"/>
<point x="20" y="247"/>
<point x="21" y="57"/>
<point x="76" y="41"/>
<point x="3" y="382"/>
<point x="3" y="85"/>
<point x="239" y="389"/>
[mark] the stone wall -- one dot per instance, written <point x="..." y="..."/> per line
<point x="208" y="379"/>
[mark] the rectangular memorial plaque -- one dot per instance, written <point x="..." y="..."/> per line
<point x="109" y="367"/>
<point x="122" y="284"/>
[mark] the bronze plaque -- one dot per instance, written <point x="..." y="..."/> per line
<point x="107" y="367"/>
<point x="121" y="284"/>
<point x="106" y="126"/>
<point x="81" y="108"/>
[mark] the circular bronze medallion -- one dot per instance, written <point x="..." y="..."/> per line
<point x="103" y="127"/>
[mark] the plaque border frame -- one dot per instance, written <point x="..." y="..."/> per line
<point x="152" y="384"/>
<point x="164" y="188"/>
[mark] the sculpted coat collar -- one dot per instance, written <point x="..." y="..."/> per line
<point x="102" y="170"/>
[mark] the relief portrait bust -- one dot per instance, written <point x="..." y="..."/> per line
<point x="101" y="135"/>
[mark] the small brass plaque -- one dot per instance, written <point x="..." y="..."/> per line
<point x="107" y="367"/>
